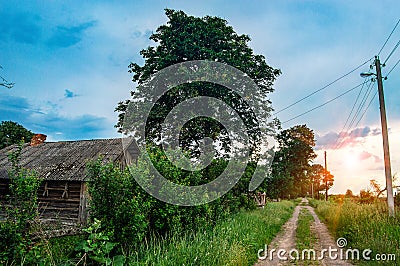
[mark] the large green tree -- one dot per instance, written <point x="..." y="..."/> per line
<point x="292" y="161"/>
<point x="12" y="133"/>
<point x="186" y="38"/>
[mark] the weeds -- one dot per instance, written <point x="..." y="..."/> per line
<point x="305" y="238"/>
<point x="232" y="242"/>
<point x="365" y="226"/>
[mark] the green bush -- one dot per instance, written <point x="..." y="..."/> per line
<point x="21" y="213"/>
<point x="98" y="247"/>
<point x="118" y="202"/>
<point x="129" y="214"/>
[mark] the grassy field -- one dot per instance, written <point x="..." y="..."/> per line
<point x="365" y="226"/>
<point x="232" y="242"/>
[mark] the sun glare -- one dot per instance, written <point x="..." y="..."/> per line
<point x="350" y="160"/>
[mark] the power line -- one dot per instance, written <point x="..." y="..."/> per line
<point x="351" y="112"/>
<point x="325" y="103"/>
<point x="361" y="117"/>
<point x="387" y="39"/>
<point x="394" y="49"/>
<point x="361" y="105"/>
<point x="392" y="68"/>
<point x="323" y="88"/>
<point x="366" y="109"/>
<point x="354" y="105"/>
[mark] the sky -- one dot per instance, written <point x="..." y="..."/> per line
<point x="69" y="62"/>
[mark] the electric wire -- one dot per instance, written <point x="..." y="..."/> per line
<point x="325" y="103"/>
<point x="340" y="144"/>
<point x="363" y="101"/>
<point x="390" y="71"/>
<point x="354" y="105"/>
<point x="351" y="112"/>
<point x="324" y="87"/>
<point x="366" y="109"/>
<point x="391" y="53"/>
<point x="387" y="39"/>
<point x="360" y="106"/>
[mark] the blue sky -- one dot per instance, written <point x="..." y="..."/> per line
<point x="69" y="62"/>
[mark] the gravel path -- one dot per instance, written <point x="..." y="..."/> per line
<point x="286" y="240"/>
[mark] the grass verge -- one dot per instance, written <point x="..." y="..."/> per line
<point x="365" y="226"/>
<point x="231" y="242"/>
<point x="305" y="238"/>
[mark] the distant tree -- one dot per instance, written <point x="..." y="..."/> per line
<point x="366" y="196"/>
<point x="376" y="189"/>
<point x="320" y="178"/>
<point x="12" y="133"/>
<point x="292" y="160"/>
<point x="349" y="194"/>
<point x="187" y="38"/>
<point x="327" y="181"/>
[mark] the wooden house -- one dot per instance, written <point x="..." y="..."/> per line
<point x="63" y="195"/>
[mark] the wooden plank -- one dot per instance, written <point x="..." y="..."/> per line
<point x="84" y="204"/>
<point x="72" y="200"/>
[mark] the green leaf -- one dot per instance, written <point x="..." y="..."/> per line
<point x="119" y="260"/>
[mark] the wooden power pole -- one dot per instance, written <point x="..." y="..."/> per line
<point x="386" y="154"/>
<point x="326" y="178"/>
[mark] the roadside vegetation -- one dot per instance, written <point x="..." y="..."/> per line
<point x="364" y="226"/>
<point x="128" y="226"/>
<point x="231" y="242"/>
<point x="305" y="238"/>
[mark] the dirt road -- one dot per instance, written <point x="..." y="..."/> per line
<point x="286" y="240"/>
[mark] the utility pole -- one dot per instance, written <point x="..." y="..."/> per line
<point x="326" y="179"/>
<point x="386" y="154"/>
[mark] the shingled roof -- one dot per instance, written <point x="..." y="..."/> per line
<point x="64" y="160"/>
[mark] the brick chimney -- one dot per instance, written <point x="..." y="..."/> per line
<point x="38" y="139"/>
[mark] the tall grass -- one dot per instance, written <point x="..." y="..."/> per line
<point x="305" y="238"/>
<point x="231" y="242"/>
<point x="365" y="226"/>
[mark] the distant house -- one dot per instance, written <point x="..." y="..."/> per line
<point x="63" y="195"/>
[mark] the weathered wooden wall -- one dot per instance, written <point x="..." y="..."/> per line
<point x="59" y="202"/>
<point x="4" y="188"/>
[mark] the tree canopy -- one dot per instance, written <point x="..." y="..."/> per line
<point x="186" y="38"/>
<point x="12" y="133"/>
<point x="292" y="170"/>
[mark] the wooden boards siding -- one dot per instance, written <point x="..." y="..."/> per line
<point x="59" y="202"/>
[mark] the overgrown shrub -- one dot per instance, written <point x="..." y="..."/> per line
<point x="118" y="202"/>
<point x="366" y="196"/>
<point x="129" y="213"/>
<point x="98" y="247"/>
<point x="21" y="212"/>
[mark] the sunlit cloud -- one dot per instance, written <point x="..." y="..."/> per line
<point x="334" y="140"/>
